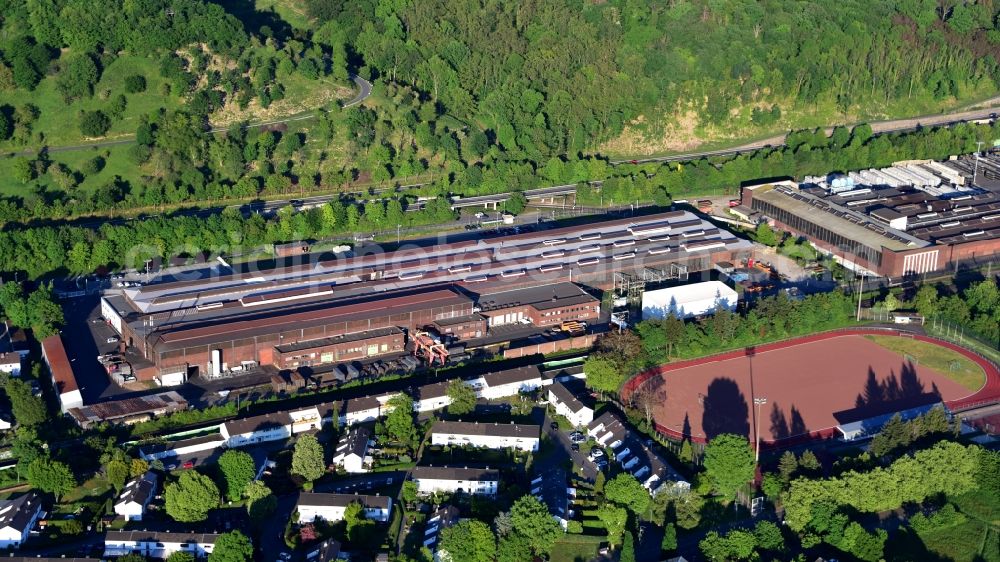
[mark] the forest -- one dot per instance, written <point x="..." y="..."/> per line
<point x="504" y="96"/>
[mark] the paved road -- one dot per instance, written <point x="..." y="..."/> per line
<point x="588" y="470"/>
<point x="878" y="127"/>
<point x="364" y="91"/>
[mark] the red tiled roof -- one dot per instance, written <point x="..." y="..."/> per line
<point x="62" y="373"/>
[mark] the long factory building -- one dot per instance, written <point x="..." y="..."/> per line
<point x="348" y="306"/>
<point x="886" y="230"/>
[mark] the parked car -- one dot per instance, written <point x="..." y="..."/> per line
<point x="575" y="447"/>
<point x="188" y="464"/>
<point x="113" y="339"/>
<point x="596" y="454"/>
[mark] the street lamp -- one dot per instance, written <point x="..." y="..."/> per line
<point x="757" y="402"/>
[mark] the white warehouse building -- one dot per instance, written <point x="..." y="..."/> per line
<point x="688" y="301"/>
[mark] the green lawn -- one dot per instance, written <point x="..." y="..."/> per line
<point x="576" y="548"/>
<point x="952" y="365"/>
<point x="292" y="11"/>
<point x="59" y="122"/>
<point x="976" y="540"/>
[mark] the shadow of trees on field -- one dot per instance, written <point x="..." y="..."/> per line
<point x="725" y="409"/>
<point x="893" y="394"/>
<point x="907" y="385"/>
<point x="782" y="427"/>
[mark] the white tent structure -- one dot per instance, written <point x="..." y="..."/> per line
<point x="687" y="301"/>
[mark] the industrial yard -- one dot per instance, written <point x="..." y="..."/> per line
<point x="328" y="318"/>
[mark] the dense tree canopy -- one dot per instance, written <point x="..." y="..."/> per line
<point x="308" y="458"/>
<point x="469" y="541"/>
<point x="238" y="469"/>
<point x="729" y="463"/>
<point x="191" y="498"/>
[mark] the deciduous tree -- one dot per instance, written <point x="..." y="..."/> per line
<point x="729" y="463"/>
<point x="532" y="519"/>
<point x="463" y="397"/>
<point x="626" y="491"/>
<point x="191" y="498"/>
<point x="469" y="541"/>
<point x="51" y="476"/>
<point x="233" y="546"/>
<point x="238" y="469"/>
<point x="308" y="458"/>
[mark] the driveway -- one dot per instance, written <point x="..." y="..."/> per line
<point x="585" y="467"/>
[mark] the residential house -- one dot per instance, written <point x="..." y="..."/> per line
<point x="157" y="544"/>
<point x="327" y="551"/>
<point x="330" y="507"/>
<point x="258" y="429"/>
<point x="136" y="496"/>
<point x="490" y="435"/>
<point x="431" y="397"/>
<point x="18" y="517"/>
<point x="49" y="559"/>
<point x="306" y="419"/>
<point x="10" y="363"/>
<point x="6" y="421"/>
<point x="568" y="405"/>
<point x="607" y="428"/>
<point x="13" y="340"/>
<point x="478" y="481"/>
<point x="509" y="382"/>
<point x="441" y="520"/>
<point x="361" y="410"/>
<point x="170" y="449"/>
<point x="352" y="449"/>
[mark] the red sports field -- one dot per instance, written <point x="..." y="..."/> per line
<point x="811" y="384"/>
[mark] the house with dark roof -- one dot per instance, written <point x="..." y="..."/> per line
<point x="49" y="559"/>
<point x="431" y="397"/>
<point x="327" y="551"/>
<point x="568" y="405"/>
<point x="135" y="496"/>
<point x="18" y="517"/>
<point x="442" y="519"/>
<point x="10" y="363"/>
<point x="510" y="382"/>
<point x="157" y="544"/>
<point x="352" y="449"/>
<point x="330" y="507"/>
<point x="523" y="437"/>
<point x="361" y="410"/>
<point x="477" y="481"/>
<point x="169" y="449"/>
<point x="257" y="429"/>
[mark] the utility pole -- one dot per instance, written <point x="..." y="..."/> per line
<point x="757" y="402"/>
<point x="861" y="291"/>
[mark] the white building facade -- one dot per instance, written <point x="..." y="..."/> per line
<point x="158" y="544"/>
<point x="488" y="435"/>
<point x="475" y="481"/>
<point x="331" y="507"/>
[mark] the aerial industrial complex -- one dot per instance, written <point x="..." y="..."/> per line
<point x="339" y="308"/>
<point x="912" y="218"/>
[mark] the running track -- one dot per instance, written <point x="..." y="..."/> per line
<point x="989" y="393"/>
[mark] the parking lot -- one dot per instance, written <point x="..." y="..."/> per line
<point x="89" y="340"/>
